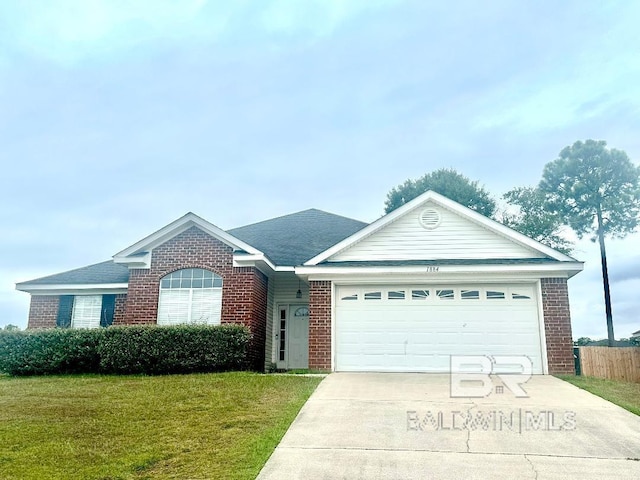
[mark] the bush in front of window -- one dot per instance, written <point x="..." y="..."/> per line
<point x="150" y="350"/>
<point x="155" y="350"/>
<point x="48" y="352"/>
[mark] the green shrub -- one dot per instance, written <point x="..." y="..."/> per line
<point x="124" y="350"/>
<point x="176" y="349"/>
<point x="42" y="352"/>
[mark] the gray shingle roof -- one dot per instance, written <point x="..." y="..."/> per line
<point x="288" y="241"/>
<point x="293" y="239"/>
<point x="104" y="272"/>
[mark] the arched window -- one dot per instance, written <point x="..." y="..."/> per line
<point x="192" y="295"/>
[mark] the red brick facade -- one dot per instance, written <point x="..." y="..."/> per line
<point x="121" y="305"/>
<point x="320" y="325"/>
<point x="244" y="290"/>
<point x="557" y="325"/>
<point x="244" y="301"/>
<point x="43" y="311"/>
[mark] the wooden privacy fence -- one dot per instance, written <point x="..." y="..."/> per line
<point x="615" y="363"/>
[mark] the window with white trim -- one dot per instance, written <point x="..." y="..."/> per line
<point x="87" y="310"/>
<point x="192" y="295"/>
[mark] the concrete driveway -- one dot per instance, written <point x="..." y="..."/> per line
<point x="407" y="426"/>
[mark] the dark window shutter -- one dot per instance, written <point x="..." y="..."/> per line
<point x="65" y="309"/>
<point x="108" y="309"/>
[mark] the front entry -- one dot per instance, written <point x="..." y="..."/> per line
<point x="293" y="338"/>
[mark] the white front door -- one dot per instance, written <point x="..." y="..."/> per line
<point x="298" y="337"/>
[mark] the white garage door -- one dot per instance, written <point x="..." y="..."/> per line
<point x="417" y="328"/>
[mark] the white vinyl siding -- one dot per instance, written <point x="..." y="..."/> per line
<point x="86" y="311"/>
<point x="420" y="332"/>
<point x="454" y="238"/>
<point x="285" y="287"/>
<point x="269" y="343"/>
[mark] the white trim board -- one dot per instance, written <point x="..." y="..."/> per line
<point x="72" y="289"/>
<point x="327" y="272"/>
<point x="175" y="228"/>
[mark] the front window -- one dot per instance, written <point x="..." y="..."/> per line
<point x="87" y="310"/>
<point x="193" y="295"/>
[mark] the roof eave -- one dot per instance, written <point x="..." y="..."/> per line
<point x="131" y="255"/>
<point x="72" y="288"/>
<point x="552" y="270"/>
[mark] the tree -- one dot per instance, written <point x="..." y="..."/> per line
<point x="596" y="190"/>
<point x="11" y="328"/>
<point x="533" y="219"/>
<point x="446" y="182"/>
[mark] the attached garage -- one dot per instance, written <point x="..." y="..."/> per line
<point x="434" y="279"/>
<point x="416" y="328"/>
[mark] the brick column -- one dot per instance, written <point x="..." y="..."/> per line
<point x="320" y="325"/>
<point x="43" y="311"/>
<point x="557" y="325"/>
<point x="119" y="313"/>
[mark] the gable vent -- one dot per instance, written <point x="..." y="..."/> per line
<point x="430" y="218"/>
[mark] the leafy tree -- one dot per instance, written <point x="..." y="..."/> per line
<point x="596" y="190"/>
<point x="582" y="341"/>
<point x="447" y="182"/>
<point x="11" y="328"/>
<point x="533" y="219"/>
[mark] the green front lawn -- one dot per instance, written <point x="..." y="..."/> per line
<point x="134" y="427"/>
<point x="623" y="394"/>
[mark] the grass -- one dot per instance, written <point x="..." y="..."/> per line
<point x="134" y="427"/>
<point x="623" y="394"/>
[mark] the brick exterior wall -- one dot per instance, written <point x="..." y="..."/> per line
<point x="244" y="289"/>
<point x="43" y="311"/>
<point x="119" y="312"/>
<point x="557" y="325"/>
<point x="320" y="325"/>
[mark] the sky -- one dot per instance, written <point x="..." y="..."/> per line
<point x="118" y="117"/>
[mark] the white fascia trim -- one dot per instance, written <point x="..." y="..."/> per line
<point x="562" y="269"/>
<point x="177" y="227"/>
<point x="70" y="289"/>
<point x="451" y="205"/>
<point x="251" y="260"/>
<point x="141" y="261"/>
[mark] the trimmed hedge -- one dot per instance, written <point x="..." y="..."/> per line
<point x="179" y="349"/>
<point x="45" y="352"/>
<point x="125" y="350"/>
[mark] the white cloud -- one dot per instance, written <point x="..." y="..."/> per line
<point x="244" y="110"/>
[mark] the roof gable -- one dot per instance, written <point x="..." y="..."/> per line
<point x="292" y="239"/>
<point x="459" y="233"/>
<point x="136" y="253"/>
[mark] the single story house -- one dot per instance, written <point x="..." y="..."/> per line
<point x="402" y="294"/>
